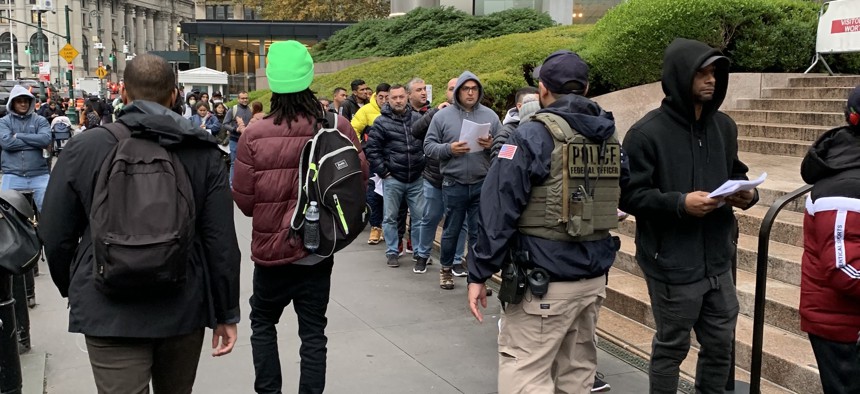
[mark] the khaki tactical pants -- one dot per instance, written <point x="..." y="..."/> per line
<point x="546" y="345"/>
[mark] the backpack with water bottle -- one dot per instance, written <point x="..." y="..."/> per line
<point x="330" y="175"/>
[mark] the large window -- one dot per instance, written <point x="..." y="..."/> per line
<point x="85" y="54"/>
<point x="252" y="13"/>
<point x="34" y="18"/>
<point x="38" y="48"/>
<point x="7" y="47"/>
<point x="484" y="7"/>
<point x="219" y="12"/>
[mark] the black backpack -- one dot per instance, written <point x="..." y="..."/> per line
<point x="142" y="218"/>
<point x="330" y="174"/>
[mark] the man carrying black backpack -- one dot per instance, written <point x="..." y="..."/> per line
<point x="145" y="269"/>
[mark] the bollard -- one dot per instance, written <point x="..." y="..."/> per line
<point x="22" y="312"/>
<point x="10" y="363"/>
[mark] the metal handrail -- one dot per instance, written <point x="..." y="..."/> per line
<point x="761" y="283"/>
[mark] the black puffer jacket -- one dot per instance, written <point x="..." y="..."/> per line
<point x="391" y="148"/>
<point x="432" y="170"/>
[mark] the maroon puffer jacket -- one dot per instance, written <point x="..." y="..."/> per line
<point x="265" y="183"/>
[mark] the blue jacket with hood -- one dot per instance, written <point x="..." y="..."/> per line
<point x="444" y="130"/>
<point x="507" y="189"/>
<point x="22" y="138"/>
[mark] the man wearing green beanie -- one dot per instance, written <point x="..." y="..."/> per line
<point x="265" y="187"/>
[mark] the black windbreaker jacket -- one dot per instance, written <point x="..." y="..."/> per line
<point x="507" y="189"/>
<point x="210" y="295"/>
<point x="671" y="154"/>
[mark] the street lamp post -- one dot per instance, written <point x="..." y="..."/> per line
<point x="39" y="50"/>
<point x="99" y="45"/>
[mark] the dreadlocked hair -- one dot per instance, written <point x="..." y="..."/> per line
<point x="290" y="106"/>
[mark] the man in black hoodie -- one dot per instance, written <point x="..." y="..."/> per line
<point x="684" y="239"/>
<point x="545" y="341"/>
<point x="133" y="340"/>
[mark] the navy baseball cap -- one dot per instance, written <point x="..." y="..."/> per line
<point x="561" y="67"/>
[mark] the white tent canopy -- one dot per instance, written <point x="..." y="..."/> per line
<point x="205" y="79"/>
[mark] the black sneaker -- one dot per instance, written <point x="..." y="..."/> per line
<point x="599" y="385"/>
<point x="420" y="265"/>
<point x="459" y="270"/>
<point x="393" y="261"/>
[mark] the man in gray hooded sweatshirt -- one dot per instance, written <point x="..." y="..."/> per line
<point x="23" y="136"/>
<point x="463" y="171"/>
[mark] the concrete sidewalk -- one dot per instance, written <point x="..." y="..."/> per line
<point x="389" y="331"/>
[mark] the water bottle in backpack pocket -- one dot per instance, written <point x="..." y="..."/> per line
<point x="312" y="228"/>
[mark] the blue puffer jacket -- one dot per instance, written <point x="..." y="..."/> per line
<point x="22" y="138"/>
<point x="391" y="148"/>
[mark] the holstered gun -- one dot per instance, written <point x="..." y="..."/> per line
<point x="514" y="277"/>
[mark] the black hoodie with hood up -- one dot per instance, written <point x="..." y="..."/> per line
<point x="672" y="154"/>
<point x="210" y="295"/>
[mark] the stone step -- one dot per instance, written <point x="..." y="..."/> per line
<point x="783" y="260"/>
<point x="787" y="359"/>
<point x="824" y="81"/>
<point x="787" y="229"/>
<point x="781" y="131"/>
<point x="830" y="119"/>
<point x="840" y="93"/>
<point x="798" y="105"/>
<point x="636" y="339"/>
<point x="783" y="177"/>
<point x="774" y="146"/>
<point x="781" y="306"/>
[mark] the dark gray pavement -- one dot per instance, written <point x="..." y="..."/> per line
<point x="390" y="331"/>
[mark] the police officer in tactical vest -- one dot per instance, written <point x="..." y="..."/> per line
<point x="550" y="201"/>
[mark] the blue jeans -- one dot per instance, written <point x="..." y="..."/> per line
<point x="37" y="184"/>
<point x="374" y="201"/>
<point x="462" y="207"/>
<point x="232" y="145"/>
<point x="434" y="208"/>
<point x="392" y="195"/>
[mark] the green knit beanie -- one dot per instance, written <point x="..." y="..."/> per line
<point x="290" y="67"/>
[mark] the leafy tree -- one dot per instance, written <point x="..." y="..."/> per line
<point x="321" y="10"/>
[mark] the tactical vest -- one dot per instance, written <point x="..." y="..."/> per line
<point x="579" y="200"/>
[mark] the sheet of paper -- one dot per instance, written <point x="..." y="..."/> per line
<point x="733" y="186"/>
<point x="471" y="131"/>
<point x="377" y="182"/>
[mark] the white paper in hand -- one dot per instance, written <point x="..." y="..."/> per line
<point x="734" y="186"/>
<point x="471" y="131"/>
<point x="377" y="182"/>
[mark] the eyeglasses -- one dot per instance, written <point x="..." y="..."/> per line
<point x="470" y="89"/>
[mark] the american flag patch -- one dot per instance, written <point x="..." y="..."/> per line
<point x="507" y="151"/>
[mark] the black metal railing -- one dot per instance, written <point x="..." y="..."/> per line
<point x="761" y="283"/>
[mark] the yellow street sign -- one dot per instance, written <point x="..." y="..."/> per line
<point x="101" y="72"/>
<point x="69" y="53"/>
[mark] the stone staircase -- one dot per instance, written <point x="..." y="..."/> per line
<point x="774" y="134"/>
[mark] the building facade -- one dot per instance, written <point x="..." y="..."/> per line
<point x="103" y="32"/>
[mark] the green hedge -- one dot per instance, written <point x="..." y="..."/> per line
<point x="626" y="46"/>
<point x="424" y="29"/>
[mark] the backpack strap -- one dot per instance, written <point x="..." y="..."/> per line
<point x="118" y="130"/>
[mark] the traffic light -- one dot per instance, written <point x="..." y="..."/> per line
<point x="27" y="49"/>
<point x="111" y="57"/>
